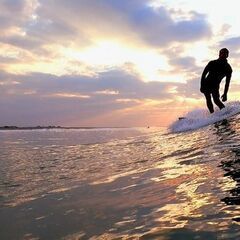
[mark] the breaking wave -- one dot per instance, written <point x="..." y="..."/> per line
<point x="201" y="117"/>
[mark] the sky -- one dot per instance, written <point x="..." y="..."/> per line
<point x="110" y="63"/>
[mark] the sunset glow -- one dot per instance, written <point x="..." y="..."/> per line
<point x="117" y="63"/>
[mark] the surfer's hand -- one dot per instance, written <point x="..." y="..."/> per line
<point x="224" y="97"/>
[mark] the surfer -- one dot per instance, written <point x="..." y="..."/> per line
<point x="211" y="78"/>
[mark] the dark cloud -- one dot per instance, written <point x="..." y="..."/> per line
<point x="16" y="17"/>
<point x="51" y="31"/>
<point x="159" y="28"/>
<point x="37" y="99"/>
<point x="65" y="22"/>
<point x="5" y="59"/>
<point x="14" y="13"/>
<point x="24" y="42"/>
<point x="183" y="65"/>
<point x="232" y="43"/>
<point x="128" y="86"/>
<point x="186" y="63"/>
<point x="13" y="5"/>
<point x="156" y="27"/>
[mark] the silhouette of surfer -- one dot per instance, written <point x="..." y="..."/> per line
<point x="211" y="78"/>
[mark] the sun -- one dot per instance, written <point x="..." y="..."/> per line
<point x="149" y="64"/>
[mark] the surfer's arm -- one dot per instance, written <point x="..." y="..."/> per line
<point x="204" y="74"/>
<point x="228" y="78"/>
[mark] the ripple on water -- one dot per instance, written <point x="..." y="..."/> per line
<point x="152" y="185"/>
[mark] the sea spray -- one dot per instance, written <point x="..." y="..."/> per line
<point x="198" y="118"/>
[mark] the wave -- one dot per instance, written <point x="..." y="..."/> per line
<point x="201" y="117"/>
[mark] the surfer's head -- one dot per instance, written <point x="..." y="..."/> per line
<point x="223" y="53"/>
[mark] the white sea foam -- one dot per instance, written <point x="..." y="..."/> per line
<point x="201" y="117"/>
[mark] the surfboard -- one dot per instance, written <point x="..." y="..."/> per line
<point x="201" y="117"/>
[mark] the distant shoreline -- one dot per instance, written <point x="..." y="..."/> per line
<point x="48" y="127"/>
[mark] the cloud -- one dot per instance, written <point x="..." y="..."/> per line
<point x="115" y="84"/>
<point x="79" y="22"/>
<point x="49" y="35"/>
<point x="231" y="43"/>
<point x="130" y="18"/>
<point x="158" y="28"/>
<point x="185" y="63"/>
<point x="191" y="89"/>
<point x="16" y="13"/>
<point x="13" y="5"/>
<point x="42" y="31"/>
<point x="6" y="59"/>
<point x="43" y="99"/>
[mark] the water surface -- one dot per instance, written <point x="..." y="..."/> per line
<point x="134" y="183"/>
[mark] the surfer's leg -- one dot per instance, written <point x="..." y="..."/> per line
<point x="209" y="102"/>
<point x="216" y="99"/>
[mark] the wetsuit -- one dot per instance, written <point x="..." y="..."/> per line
<point x="216" y="70"/>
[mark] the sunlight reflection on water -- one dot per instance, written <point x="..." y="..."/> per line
<point x="142" y="183"/>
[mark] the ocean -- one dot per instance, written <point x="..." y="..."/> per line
<point x="121" y="183"/>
